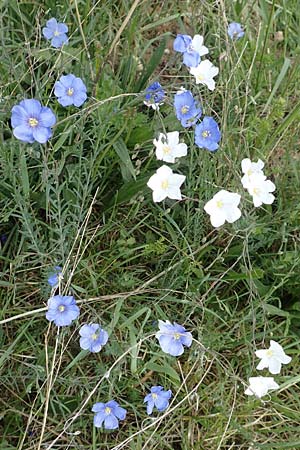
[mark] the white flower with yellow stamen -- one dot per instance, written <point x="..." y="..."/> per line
<point x="272" y="358"/>
<point x="223" y="207"/>
<point x="168" y="147"/>
<point x="164" y="183"/>
<point x="204" y="74"/>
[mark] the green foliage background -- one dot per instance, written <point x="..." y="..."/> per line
<point x="81" y="201"/>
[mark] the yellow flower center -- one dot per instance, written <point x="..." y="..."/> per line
<point x="33" y="122"/>
<point x="166" y="149"/>
<point x="256" y="191"/>
<point x="176" y="336"/>
<point x="154" y="396"/>
<point x="200" y="77"/>
<point x="249" y="172"/>
<point x="56" y="33"/>
<point x="107" y="410"/>
<point x="185" y="109"/>
<point x="70" y="91"/>
<point x="269" y="353"/>
<point x="205" y="134"/>
<point x="165" y="184"/>
<point x="61" y="308"/>
<point x="94" y="336"/>
<point x="219" y="204"/>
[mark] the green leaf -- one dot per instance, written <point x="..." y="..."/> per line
<point x="123" y="153"/>
<point x="151" y="65"/>
<point x="166" y="369"/>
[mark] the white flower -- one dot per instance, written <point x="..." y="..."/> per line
<point x="197" y="45"/>
<point x="249" y="168"/>
<point x="223" y="206"/>
<point x="168" y="147"/>
<point x="204" y="73"/>
<point x="259" y="386"/>
<point x="259" y="187"/>
<point x="272" y="358"/>
<point x="165" y="183"/>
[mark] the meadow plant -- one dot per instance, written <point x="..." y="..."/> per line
<point x="32" y="123"/>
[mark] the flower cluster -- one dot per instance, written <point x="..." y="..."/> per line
<point x="164" y="183"/>
<point x="224" y="205"/>
<point x="32" y="122"/>
<point x="272" y="359"/>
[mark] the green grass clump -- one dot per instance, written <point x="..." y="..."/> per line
<point x="81" y="201"/>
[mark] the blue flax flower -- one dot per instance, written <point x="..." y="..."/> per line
<point x="54" y="276"/>
<point x="187" y="109"/>
<point x="56" y="32"/>
<point x="62" y="310"/>
<point x="158" y="398"/>
<point x="207" y="134"/>
<point x="154" y="95"/>
<point x="32" y="122"/>
<point x="192" y="49"/>
<point x="70" y="90"/>
<point x="235" y="30"/>
<point x="172" y="338"/>
<point x="93" y="337"/>
<point x="110" y="413"/>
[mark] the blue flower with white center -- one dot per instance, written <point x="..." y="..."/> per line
<point x="62" y="310"/>
<point x="110" y="413"/>
<point x="54" y="276"/>
<point x="158" y="398"/>
<point x="192" y="49"/>
<point x="70" y="90"/>
<point x="173" y="338"/>
<point x="187" y="109"/>
<point x="235" y="30"/>
<point x="57" y="32"/>
<point x="93" y="337"/>
<point x="32" y="122"/>
<point x="207" y="134"/>
<point x="154" y="95"/>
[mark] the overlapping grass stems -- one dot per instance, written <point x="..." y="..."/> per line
<point x="197" y="372"/>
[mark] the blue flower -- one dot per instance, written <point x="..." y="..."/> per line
<point x="187" y="109"/>
<point x="235" y="30"/>
<point x="93" y="337"/>
<point x="62" y="310"/>
<point x="70" y="90"/>
<point x="172" y="338"/>
<point x="154" y="95"/>
<point x="110" y="413"/>
<point x="56" y="32"/>
<point x="192" y="49"/>
<point x="54" y="276"/>
<point x="207" y="134"/>
<point x="32" y="122"/>
<point x="158" y="398"/>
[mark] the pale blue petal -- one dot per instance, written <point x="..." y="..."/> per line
<point x="23" y="133"/>
<point x="111" y="422"/>
<point x="41" y="134"/>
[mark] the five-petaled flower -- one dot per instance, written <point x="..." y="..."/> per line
<point x="259" y="386"/>
<point x="62" y="310"/>
<point x="70" y="90"/>
<point x="204" y="74"/>
<point x="187" y="108"/>
<point x="110" y="413"/>
<point x="249" y="168"/>
<point x="168" y="147"/>
<point x="235" y="30"/>
<point x="192" y="49"/>
<point x="93" y="337"/>
<point x="173" y="337"/>
<point x="158" y="398"/>
<point x="57" y="32"/>
<point x="154" y="95"/>
<point x="164" y="183"/>
<point x="32" y="122"/>
<point x="207" y="134"/>
<point x="272" y="358"/>
<point x="55" y="276"/>
<point x="260" y="188"/>
<point x="223" y="207"/>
